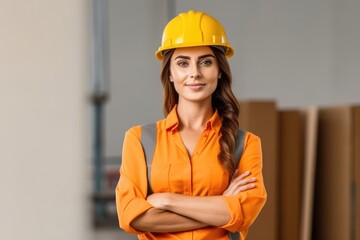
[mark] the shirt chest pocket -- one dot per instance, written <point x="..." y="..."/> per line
<point x="210" y="180"/>
<point x="170" y="177"/>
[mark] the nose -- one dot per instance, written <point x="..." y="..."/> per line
<point x="195" y="73"/>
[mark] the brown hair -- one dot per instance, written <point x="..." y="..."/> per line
<point x="223" y="100"/>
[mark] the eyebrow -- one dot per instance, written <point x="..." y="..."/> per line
<point x="200" y="57"/>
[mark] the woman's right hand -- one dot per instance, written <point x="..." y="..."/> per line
<point x="239" y="183"/>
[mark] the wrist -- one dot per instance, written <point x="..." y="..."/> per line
<point x="167" y="200"/>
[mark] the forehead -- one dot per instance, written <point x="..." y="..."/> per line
<point x="192" y="52"/>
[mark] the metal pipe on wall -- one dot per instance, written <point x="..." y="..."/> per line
<point x="100" y="94"/>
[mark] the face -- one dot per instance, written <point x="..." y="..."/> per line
<point x="194" y="73"/>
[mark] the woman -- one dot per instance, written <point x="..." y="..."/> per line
<point x="199" y="191"/>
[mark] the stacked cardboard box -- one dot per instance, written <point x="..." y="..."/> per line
<point x="260" y="118"/>
<point x="336" y="211"/>
<point x="356" y="173"/>
<point x="297" y="165"/>
<point x="309" y="172"/>
<point x="291" y="160"/>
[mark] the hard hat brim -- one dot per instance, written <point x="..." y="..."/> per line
<point x="159" y="54"/>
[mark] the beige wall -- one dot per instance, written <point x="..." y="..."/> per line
<point x="44" y="177"/>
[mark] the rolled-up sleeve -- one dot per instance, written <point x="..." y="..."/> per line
<point x="131" y="189"/>
<point x="246" y="206"/>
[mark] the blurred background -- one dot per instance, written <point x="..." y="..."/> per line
<point x="76" y="74"/>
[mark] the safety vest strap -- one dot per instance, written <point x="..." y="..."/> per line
<point x="239" y="145"/>
<point x="234" y="235"/>
<point x="148" y="141"/>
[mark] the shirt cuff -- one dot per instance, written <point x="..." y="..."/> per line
<point x="236" y="215"/>
<point x="133" y="209"/>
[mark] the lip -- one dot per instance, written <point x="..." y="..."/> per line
<point x="195" y="86"/>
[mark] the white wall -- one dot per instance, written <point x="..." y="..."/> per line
<point x="44" y="156"/>
<point x="296" y="52"/>
<point x="135" y="28"/>
<point x="299" y="53"/>
<point x="346" y="62"/>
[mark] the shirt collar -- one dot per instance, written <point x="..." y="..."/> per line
<point x="214" y="122"/>
<point x="172" y="121"/>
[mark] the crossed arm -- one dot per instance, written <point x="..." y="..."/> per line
<point x="176" y="212"/>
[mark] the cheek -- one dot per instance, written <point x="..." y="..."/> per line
<point x="178" y="86"/>
<point x="214" y="85"/>
<point x="178" y="80"/>
<point x="178" y="75"/>
<point x="174" y="79"/>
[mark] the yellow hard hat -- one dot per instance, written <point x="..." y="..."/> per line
<point x="191" y="29"/>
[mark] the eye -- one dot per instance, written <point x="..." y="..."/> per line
<point x="182" y="63"/>
<point x="206" y="62"/>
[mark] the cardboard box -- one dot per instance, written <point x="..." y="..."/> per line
<point x="260" y="118"/>
<point x="291" y="157"/>
<point x="356" y="173"/>
<point x="336" y="211"/>
<point x="310" y="116"/>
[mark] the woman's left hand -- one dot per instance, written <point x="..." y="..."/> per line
<point x="158" y="200"/>
<point x="240" y="183"/>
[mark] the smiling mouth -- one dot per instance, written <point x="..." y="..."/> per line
<point x="195" y="86"/>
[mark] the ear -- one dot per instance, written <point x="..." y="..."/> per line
<point x="219" y="75"/>
<point x="171" y="79"/>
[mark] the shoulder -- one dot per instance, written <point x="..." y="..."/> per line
<point x="136" y="130"/>
<point x="252" y="139"/>
<point x="252" y="155"/>
<point x="251" y="136"/>
<point x="132" y="136"/>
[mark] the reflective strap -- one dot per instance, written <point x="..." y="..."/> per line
<point x="234" y="235"/>
<point x="148" y="141"/>
<point x="239" y="148"/>
<point x="239" y="145"/>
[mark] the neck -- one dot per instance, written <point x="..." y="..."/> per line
<point x="194" y="116"/>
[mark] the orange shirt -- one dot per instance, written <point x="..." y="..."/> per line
<point x="199" y="175"/>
